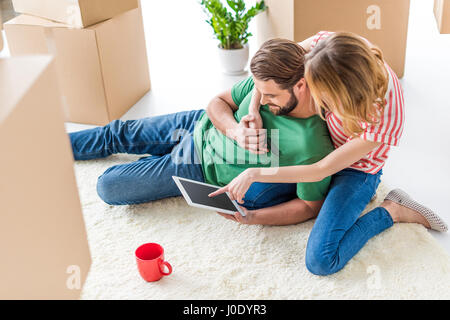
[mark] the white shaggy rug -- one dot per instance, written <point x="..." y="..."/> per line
<point x="215" y="258"/>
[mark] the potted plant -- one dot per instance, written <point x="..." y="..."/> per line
<point x="231" y="29"/>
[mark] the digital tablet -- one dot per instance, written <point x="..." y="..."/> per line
<point x="196" y="195"/>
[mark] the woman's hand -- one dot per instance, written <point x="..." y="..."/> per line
<point x="238" y="187"/>
<point x="237" y="217"/>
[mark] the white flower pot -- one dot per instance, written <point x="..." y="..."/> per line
<point x="234" y="61"/>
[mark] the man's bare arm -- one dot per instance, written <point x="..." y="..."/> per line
<point x="287" y="213"/>
<point x="221" y="113"/>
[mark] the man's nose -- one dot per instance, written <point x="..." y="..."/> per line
<point x="264" y="100"/>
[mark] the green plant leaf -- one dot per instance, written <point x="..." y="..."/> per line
<point x="229" y="29"/>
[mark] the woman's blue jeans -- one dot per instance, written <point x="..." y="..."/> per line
<point x="169" y="142"/>
<point x="339" y="232"/>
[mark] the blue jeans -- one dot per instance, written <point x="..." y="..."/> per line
<point x="339" y="232"/>
<point x="169" y="141"/>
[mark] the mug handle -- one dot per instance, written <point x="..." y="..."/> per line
<point x="168" y="266"/>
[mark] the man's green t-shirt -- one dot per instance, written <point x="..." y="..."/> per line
<point x="297" y="142"/>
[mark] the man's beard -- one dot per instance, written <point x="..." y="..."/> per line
<point x="291" y="104"/>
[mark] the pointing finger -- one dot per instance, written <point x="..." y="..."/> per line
<point x="217" y="192"/>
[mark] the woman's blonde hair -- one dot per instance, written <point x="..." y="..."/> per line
<point x="347" y="76"/>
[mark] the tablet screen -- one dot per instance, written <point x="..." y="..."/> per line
<point x="199" y="194"/>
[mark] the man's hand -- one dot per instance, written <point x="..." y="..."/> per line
<point x="249" y="136"/>
<point x="237" y="217"/>
<point x="254" y="110"/>
<point x="255" y="120"/>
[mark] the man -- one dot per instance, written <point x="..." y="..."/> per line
<point x="217" y="145"/>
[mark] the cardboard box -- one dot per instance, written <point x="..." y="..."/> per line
<point x="76" y="13"/>
<point x="383" y="22"/>
<point x="7" y="10"/>
<point x="1" y="29"/>
<point x="43" y="242"/>
<point x="102" y="69"/>
<point x="442" y="14"/>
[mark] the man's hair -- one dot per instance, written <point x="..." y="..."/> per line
<point x="280" y="60"/>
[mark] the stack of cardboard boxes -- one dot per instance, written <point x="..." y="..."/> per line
<point x="99" y="49"/>
<point x="383" y="22"/>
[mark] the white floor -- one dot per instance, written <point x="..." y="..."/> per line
<point x="185" y="75"/>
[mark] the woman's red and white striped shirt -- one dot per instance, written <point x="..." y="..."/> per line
<point x="388" y="130"/>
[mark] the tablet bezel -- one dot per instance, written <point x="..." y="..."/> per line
<point x="193" y="204"/>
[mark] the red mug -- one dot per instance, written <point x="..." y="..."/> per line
<point x="150" y="262"/>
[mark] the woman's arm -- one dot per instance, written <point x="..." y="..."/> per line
<point x="339" y="159"/>
<point x="306" y="44"/>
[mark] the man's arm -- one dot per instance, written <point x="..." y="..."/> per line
<point x="221" y="113"/>
<point x="287" y="213"/>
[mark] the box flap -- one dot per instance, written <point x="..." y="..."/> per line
<point x="65" y="11"/>
<point x="93" y="12"/>
<point x="24" y="19"/>
<point x="75" y="13"/>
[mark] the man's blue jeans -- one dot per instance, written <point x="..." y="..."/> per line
<point x="339" y="232"/>
<point x="169" y="142"/>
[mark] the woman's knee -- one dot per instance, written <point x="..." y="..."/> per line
<point x="318" y="262"/>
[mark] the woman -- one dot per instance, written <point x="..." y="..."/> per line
<point x="361" y="99"/>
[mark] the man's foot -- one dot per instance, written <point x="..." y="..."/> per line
<point x="403" y="208"/>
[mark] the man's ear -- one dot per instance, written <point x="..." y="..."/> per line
<point x="300" y="85"/>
